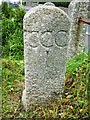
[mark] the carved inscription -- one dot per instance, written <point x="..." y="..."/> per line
<point x="61" y="39"/>
<point x="33" y="39"/>
<point x="47" y="39"/>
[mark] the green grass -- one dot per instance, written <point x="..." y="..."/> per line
<point x="74" y="104"/>
<point x="13" y="77"/>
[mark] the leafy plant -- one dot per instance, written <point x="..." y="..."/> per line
<point x="12" y="31"/>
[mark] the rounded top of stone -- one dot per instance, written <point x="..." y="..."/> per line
<point x="49" y="4"/>
<point x="45" y="8"/>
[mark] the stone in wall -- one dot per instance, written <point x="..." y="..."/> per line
<point x="45" y="48"/>
<point x="77" y="31"/>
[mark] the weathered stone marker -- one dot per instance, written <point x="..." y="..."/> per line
<point x="45" y="48"/>
<point x="77" y="9"/>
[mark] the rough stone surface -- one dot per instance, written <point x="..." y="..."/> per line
<point x="49" y="4"/>
<point x="45" y="48"/>
<point x="77" y="32"/>
<point x="89" y="9"/>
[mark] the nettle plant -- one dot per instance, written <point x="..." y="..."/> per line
<point x="12" y="31"/>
